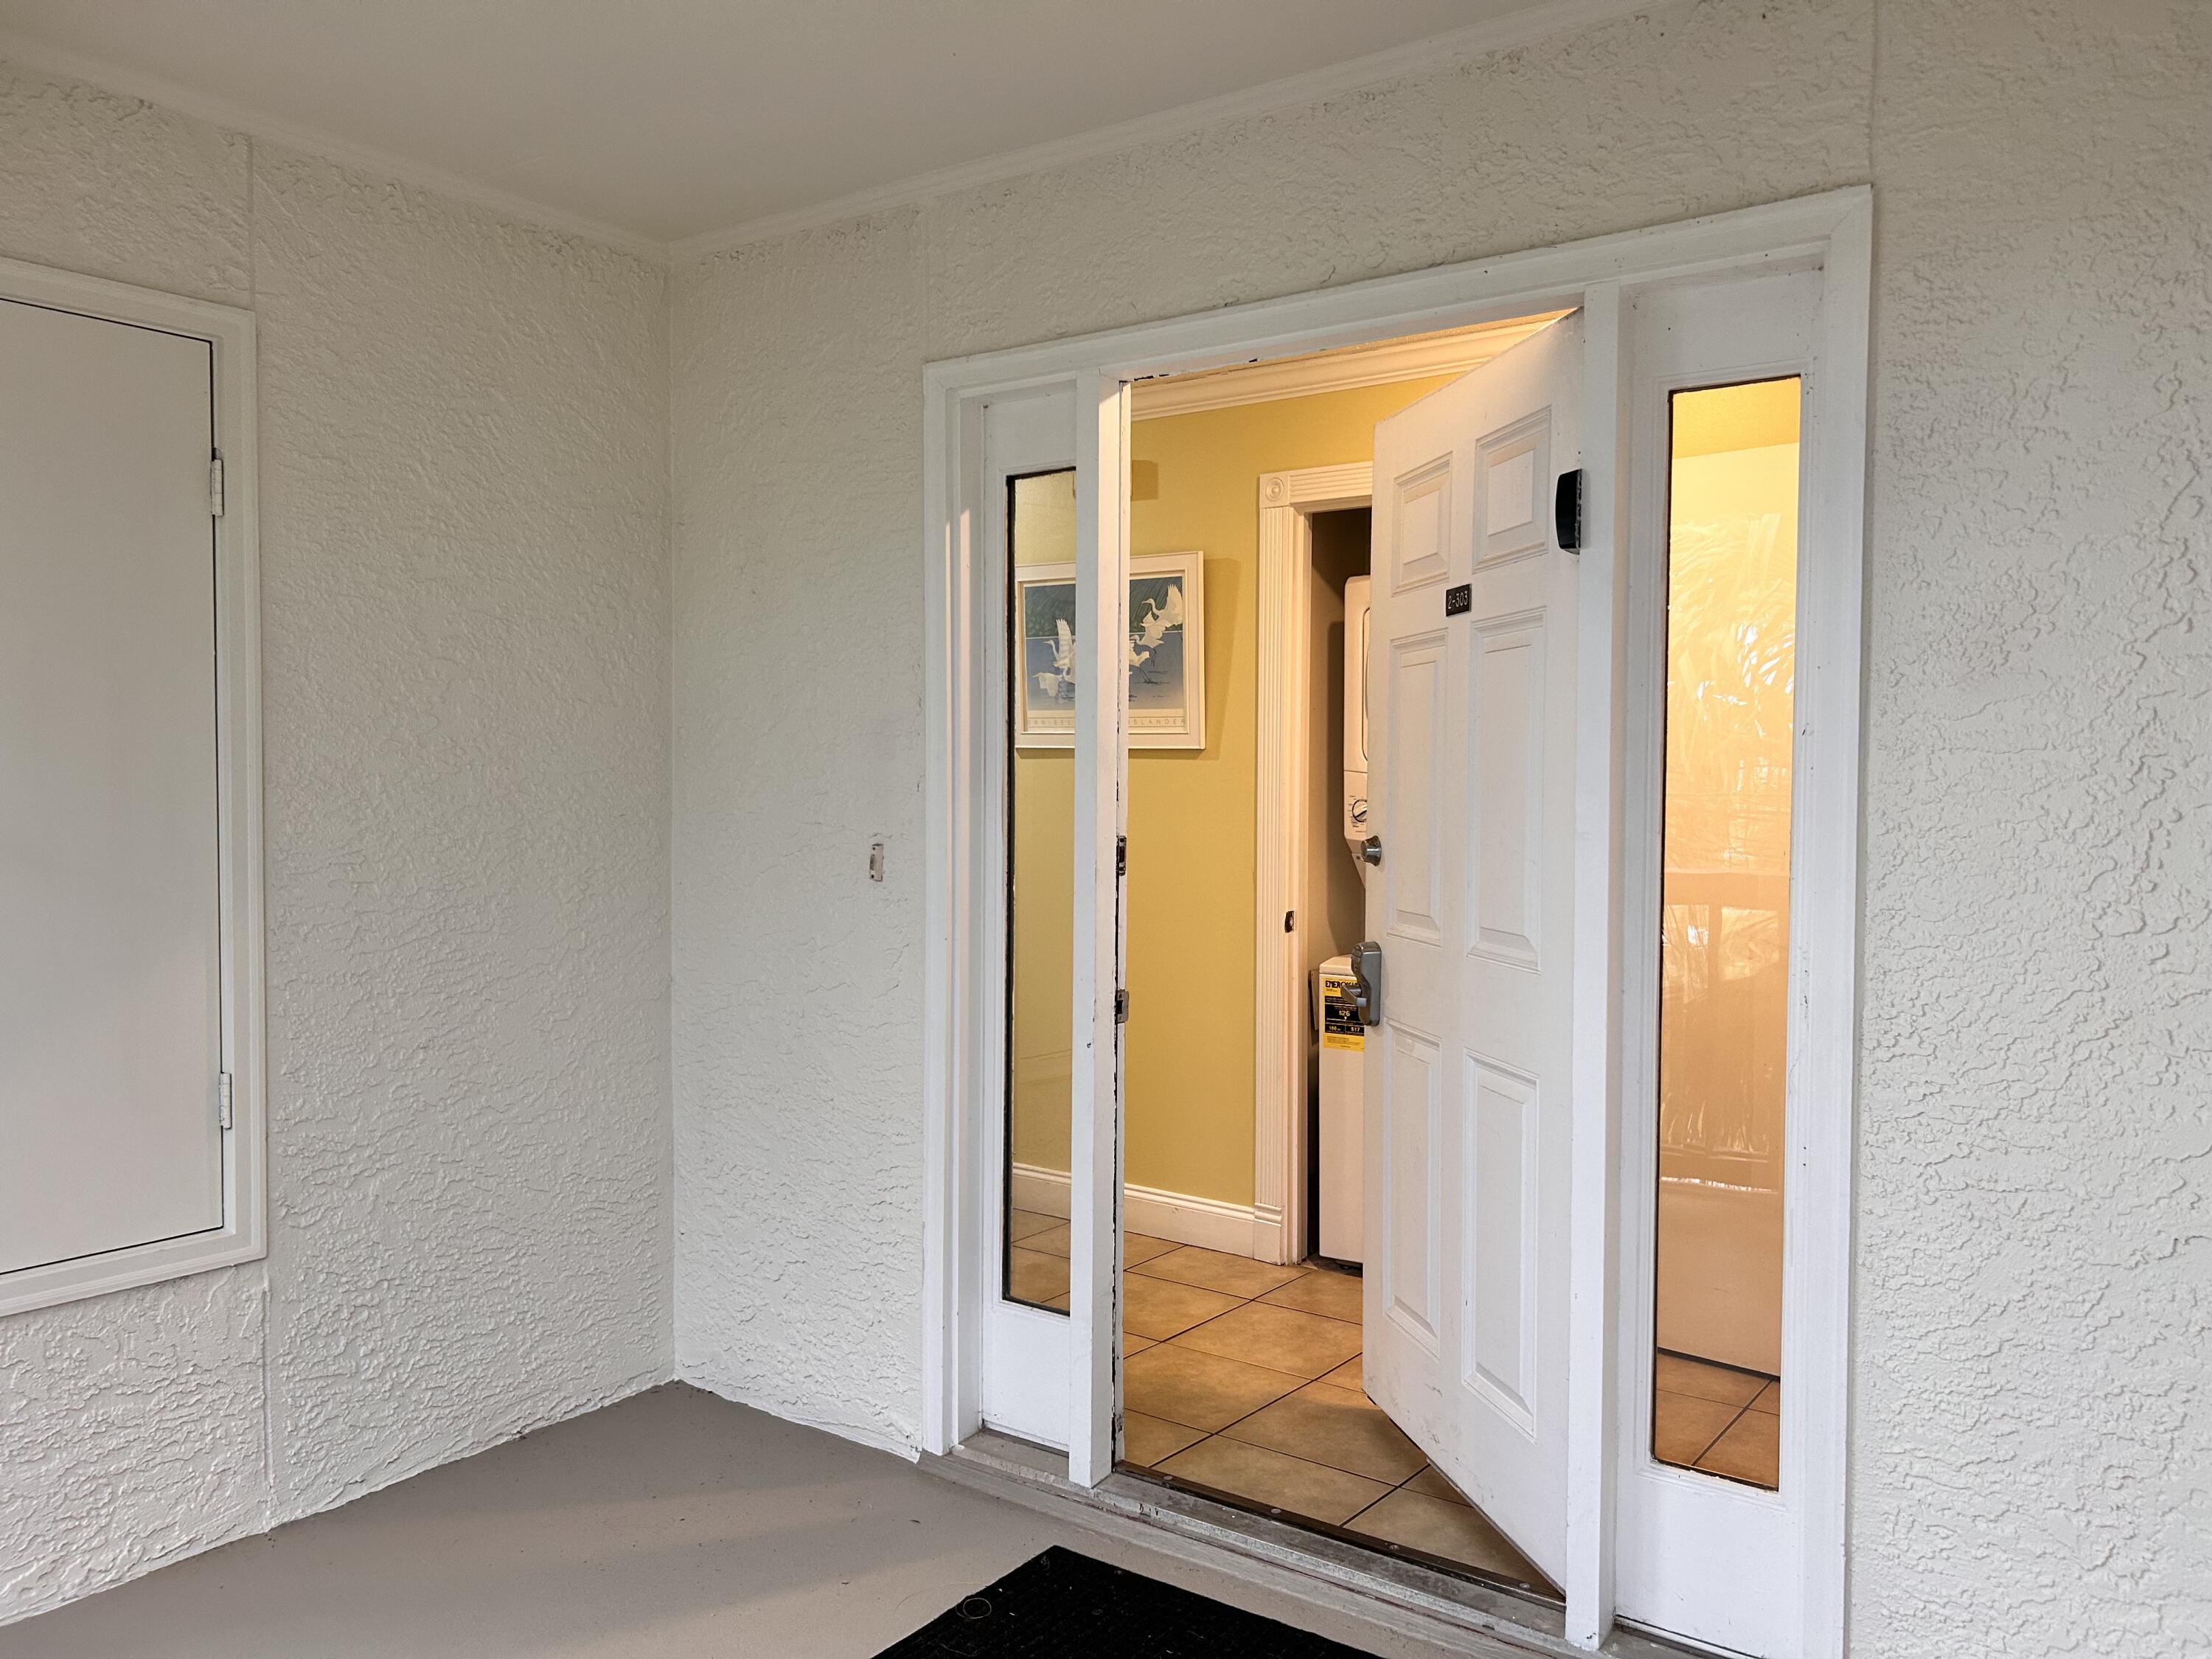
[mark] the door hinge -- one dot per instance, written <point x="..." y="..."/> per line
<point x="215" y="485"/>
<point x="1120" y="1007"/>
<point x="222" y="1090"/>
<point x="1120" y="855"/>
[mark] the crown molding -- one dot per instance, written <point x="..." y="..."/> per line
<point x="1538" y="21"/>
<point x="1415" y="359"/>
<point x="36" y="55"/>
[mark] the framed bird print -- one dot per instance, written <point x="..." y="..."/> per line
<point x="1166" y="654"/>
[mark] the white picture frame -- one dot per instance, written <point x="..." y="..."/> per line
<point x="1167" y="654"/>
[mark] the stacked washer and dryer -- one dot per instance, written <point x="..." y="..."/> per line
<point x="1339" y="1145"/>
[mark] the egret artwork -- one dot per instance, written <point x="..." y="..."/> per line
<point x="1165" y="687"/>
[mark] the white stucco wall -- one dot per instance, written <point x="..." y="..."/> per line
<point x="465" y="423"/>
<point x="2031" y="1464"/>
<point x="464" y="544"/>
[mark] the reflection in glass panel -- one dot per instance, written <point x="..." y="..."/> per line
<point x="1041" y="897"/>
<point x="1724" y="927"/>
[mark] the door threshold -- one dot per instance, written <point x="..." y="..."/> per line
<point x="1378" y="1549"/>
<point x="1459" y="1615"/>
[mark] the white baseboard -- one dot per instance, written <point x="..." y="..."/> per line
<point x="1044" y="1191"/>
<point x="1206" y="1222"/>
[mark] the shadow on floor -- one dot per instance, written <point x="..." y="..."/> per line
<point x="675" y="1525"/>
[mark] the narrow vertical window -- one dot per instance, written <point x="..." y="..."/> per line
<point x="1724" y="927"/>
<point x="1041" y="878"/>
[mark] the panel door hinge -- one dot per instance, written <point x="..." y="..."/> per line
<point x="1120" y="1007"/>
<point x="223" y="1092"/>
<point x="1120" y="855"/>
<point x="215" y="485"/>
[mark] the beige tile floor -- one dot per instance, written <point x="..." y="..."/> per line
<point x="1244" y="1378"/>
<point x="1716" y="1418"/>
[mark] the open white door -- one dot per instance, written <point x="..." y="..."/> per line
<point x="1471" y="675"/>
<point x="1052" y="496"/>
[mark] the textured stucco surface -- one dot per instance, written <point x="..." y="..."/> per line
<point x="472" y="821"/>
<point x="463" y="551"/>
<point x="798" y="1158"/>
<point x="2034" y="1403"/>
<point x="797" y="1030"/>
<point x="2031" y="1466"/>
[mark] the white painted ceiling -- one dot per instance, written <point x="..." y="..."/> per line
<point x="671" y="118"/>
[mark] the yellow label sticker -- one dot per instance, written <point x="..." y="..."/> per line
<point x="1341" y="1026"/>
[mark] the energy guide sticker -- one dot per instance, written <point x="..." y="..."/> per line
<point x="1339" y="1017"/>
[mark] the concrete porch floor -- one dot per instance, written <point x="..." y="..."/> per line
<point x="674" y="1524"/>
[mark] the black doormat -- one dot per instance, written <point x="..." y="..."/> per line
<point x="1070" y="1606"/>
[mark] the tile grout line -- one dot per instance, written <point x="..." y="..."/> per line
<point x="1717" y="1439"/>
<point x="1402" y="1484"/>
<point x="1767" y="1383"/>
<point x="1304" y="1383"/>
<point x="1392" y="1489"/>
<point x="1247" y="1301"/>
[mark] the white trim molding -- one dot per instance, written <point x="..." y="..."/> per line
<point x="1535" y="21"/>
<point x="1827" y="233"/>
<point x="1388" y="362"/>
<point x="1212" y="1224"/>
<point x="1288" y="501"/>
<point x="243" y="1236"/>
<point x="59" y="61"/>
<point x="1531" y="22"/>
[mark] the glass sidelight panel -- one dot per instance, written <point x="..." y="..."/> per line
<point x="1724" y="927"/>
<point x="1041" y="897"/>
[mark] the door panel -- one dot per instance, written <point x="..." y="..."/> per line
<point x="1723" y="1088"/>
<point x="111" y="1006"/>
<point x="1415" y="875"/>
<point x="1421" y="524"/>
<point x="1472" y="796"/>
<point x="1517" y="480"/>
<point x="1414" y="1098"/>
<point x="1028" y="520"/>
<point x="1502" y="1255"/>
<point x="1507" y="838"/>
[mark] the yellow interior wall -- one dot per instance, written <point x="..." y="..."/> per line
<point x="1189" y="1046"/>
<point x="1043" y="978"/>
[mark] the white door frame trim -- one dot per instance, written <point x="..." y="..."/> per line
<point x="1832" y="230"/>
<point x="230" y="333"/>
<point x="1288" y="501"/>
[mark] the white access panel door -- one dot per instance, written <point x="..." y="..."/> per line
<point x="110" y="980"/>
<point x="1471" y="680"/>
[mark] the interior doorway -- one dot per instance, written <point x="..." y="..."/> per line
<point x="1523" y="1065"/>
<point x="1244" y="896"/>
<point x="1369" y="1427"/>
